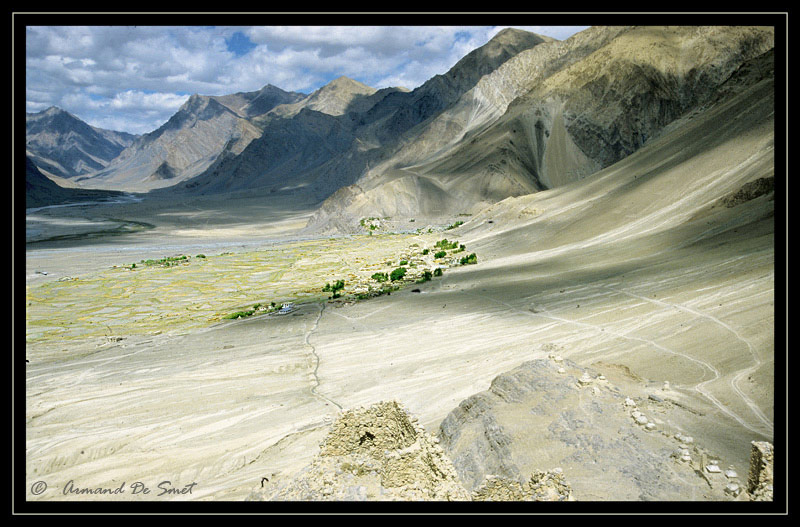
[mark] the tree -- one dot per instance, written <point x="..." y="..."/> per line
<point x="398" y="274"/>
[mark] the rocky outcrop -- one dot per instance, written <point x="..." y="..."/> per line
<point x="382" y="453"/>
<point x="554" y="413"/>
<point x="759" y="480"/>
<point x="374" y="453"/>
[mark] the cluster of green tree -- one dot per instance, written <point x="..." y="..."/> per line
<point x="468" y="260"/>
<point x="250" y="312"/>
<point x="167" y="261"/>
<point x="334" y="288"/>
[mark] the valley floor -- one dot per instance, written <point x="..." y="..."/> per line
<point x="640" y="273"/>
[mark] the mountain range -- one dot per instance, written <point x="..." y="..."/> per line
<point x="62" y="145"/>
<point x="522" y="113"/>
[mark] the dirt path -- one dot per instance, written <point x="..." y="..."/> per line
<point x="605" y="330"/>
<point x="768" y="425"/>
<point x="315" y="373"/>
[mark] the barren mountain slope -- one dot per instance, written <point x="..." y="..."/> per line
<point x="375" y="121"/>
<point x="397" y="114"/>
<point x="202" y="129"/>
<point x="490" y="97"/>
<point x="602" y="97"/>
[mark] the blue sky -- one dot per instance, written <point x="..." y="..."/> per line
<point x="133" y="78"/>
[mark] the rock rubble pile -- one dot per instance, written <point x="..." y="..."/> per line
<point x="375" y="453"/>
<point x="382" y="453"/>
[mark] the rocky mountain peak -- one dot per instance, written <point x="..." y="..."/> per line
<point x="511" y="35"/>
<point x="339" y="96"/>
<point x="53" y="110"/>
<point x="344" y="82"/>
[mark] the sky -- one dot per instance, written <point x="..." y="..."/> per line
<point x="133" y="78"/>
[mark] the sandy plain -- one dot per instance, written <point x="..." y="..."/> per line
<point x="637" y="272"/>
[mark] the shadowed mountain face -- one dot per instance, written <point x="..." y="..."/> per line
<point x="295" y="149"/>
<point x="65" y="146"/>
<point x="356" y="126"/>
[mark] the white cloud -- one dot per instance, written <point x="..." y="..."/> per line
<point x="142" y="74"/>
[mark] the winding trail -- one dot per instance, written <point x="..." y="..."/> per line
<point x="700" y="387"/>
<point x="314" y="391"/>
<point x="745" y="371"/>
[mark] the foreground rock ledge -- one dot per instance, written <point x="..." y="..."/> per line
<point x="759" y="481"/>
<point x="382" y="453"/>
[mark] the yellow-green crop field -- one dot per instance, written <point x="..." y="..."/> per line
<point x="196" y="292"/>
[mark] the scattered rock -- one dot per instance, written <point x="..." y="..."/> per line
<point x="629" y="402"/>
<point x="750" y="191"/>
<point x="498" y="488"/>
<point x="733" y="489"/>
<point x="542" y="486"/>
<point x="550" y="486"/>
<point x="731" y="474"/>
<point x="713" y="469"/>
